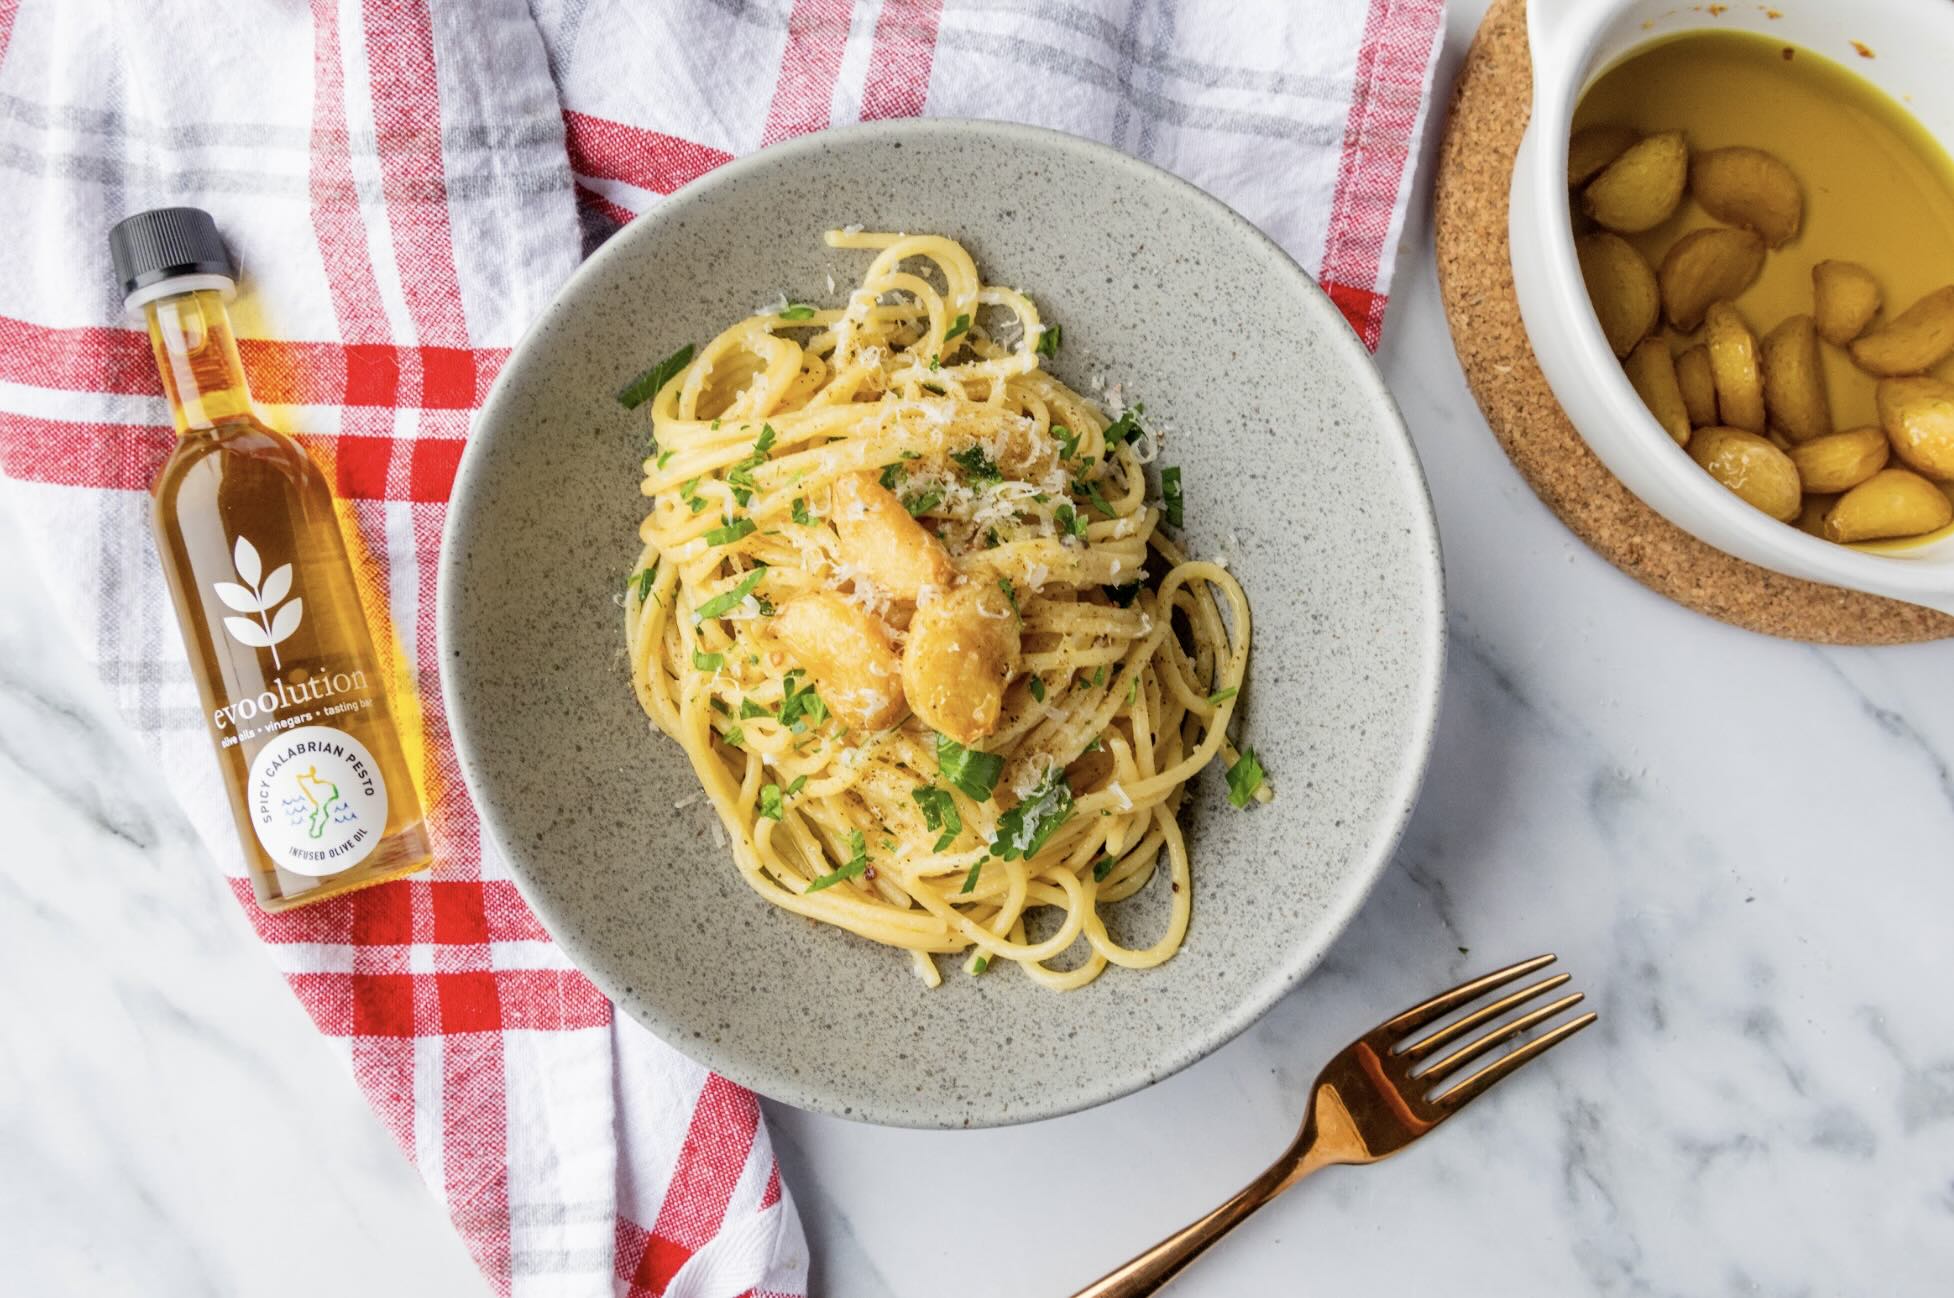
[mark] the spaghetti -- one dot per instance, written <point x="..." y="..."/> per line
<point x="904" y="600"/>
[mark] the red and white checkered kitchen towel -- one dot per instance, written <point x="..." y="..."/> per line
<point x="406" y="182"/>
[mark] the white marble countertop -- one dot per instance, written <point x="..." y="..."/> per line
<point x="1740" y="847"/>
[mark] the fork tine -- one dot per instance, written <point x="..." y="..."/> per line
<point x="1465" y="1054"/>
<point x="1445" y="1002"/>
<point x="1480" y="1082"/>
<point x="1453" y="1031"/>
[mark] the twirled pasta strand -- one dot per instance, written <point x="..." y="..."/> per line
<point x="1132" y="698"/>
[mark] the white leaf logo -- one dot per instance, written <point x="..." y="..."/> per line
<point x="273" y="624"/>
<point x="286" y="621"/>
<point x="245" y="631"/>
<point x="278" y="585"/>
<point x="236" y="597"/>
<point x="245" y="555"/>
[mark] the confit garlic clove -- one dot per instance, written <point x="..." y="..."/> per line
<point x="1845" y="298"/>
<point x="881" y="540"/>
<point x="963" y="650"/>
<point x="1890" y="504"/>
<point x="846" y="652"/>
<point x="1758" y="472"/>
<point x="1918" y="337"/>
<point x="1640" y="188"/>
<point x="1622" y="288"/>
<point x="1748" y="188"/>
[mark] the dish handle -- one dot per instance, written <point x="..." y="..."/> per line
<point x="1555" y="32"/>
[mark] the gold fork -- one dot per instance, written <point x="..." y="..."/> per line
<point x="1369" y="1102"/>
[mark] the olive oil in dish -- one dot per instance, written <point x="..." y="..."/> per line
<point x="1769" y="243"/>
<point x="293" y="691"/>
<point x="1879" y="189"/>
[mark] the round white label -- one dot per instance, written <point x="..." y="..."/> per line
<point x="318" y="801"/>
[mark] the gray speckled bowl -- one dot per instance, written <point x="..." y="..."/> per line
<point x="1296" y="466"/>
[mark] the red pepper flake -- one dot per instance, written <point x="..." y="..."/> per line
<point x="869" y="874"/>
<point x="1864" y="50"/>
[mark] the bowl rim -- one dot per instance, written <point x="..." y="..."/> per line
<point x="1362" y="869"/>
<point x="1918" y="572"/>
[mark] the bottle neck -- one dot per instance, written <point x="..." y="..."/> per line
<point x="197" y="355"/>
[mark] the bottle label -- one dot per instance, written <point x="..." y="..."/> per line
<point x="318" y="802"/>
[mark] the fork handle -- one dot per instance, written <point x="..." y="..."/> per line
<point x="1150" y="1271"/>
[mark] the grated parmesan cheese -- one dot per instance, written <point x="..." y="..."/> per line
<point x="1033" y="775"/>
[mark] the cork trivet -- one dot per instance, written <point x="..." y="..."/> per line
<point x="1489" y="113"/>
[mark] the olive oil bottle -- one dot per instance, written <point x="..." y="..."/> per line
<point x="293" y="692"/>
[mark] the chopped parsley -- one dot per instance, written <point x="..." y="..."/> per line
<point x="724" y="603"/>
<point x="1103" y="867"/>
<point x="741" y="474"/>
<point x="1070" y="521"/>
<point x="922" y="502"/>
<point x="647" y="385"/>
<point x="939" y="812"/>
<point x="1038" y="688"/>
<point x="853" y="868"/>
<point x="730" y="533"/>
<point x="798" y="311"/>
<point x="735" y="736"/>
<point x="936" y="363"/>
<point x="1010" y="592"/>
<point x="798" y="702"/>
<point x="1126" y="427"/>
<point x="770" y="804"/>
<point x="974" y="772"/>
<point x="1027" y="827"/>
<point x="800" y="782"/>
<point x="1220" y="697"/>
<point x="748" y="709"/>
<point x="1170" y="491"/>
<point x="706" y="662"/>
<point x="718" y="705"/>
<point x="644" y="577"/>
<point x="892" y="475"/>
<point x="1132" y="689"/>
<point x="801" y="515"/>
<point x="1099" y="675"/>
<point x="1123" y="596"/>
<point x="978" y="964"/>
<point x="665" y="458"/>
<point x="1090" y="490"/>
<point x="1068" y="441"/>
<point x="982" y="469"/>
<point x="1244" y="778"/>
<point x="937" y="388"/>
<point x="1050" y="341"/>
<point x="961" y="325"/>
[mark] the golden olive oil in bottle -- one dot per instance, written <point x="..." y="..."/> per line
<point x="293" y="692"/>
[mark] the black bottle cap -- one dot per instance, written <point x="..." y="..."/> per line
<point x="166" y="242"/>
